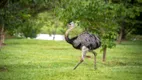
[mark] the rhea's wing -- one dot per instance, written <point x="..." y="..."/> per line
<point x="84" y="39"/>
<point x="89" y="40"/>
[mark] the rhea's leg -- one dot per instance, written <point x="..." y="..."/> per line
<point x="95" y="54"/>
<point x="84" y="51"/>
<point x="77" y="65"/>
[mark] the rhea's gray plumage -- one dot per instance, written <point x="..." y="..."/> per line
<point x="85" y="39"/>
<point x="85" y="42"/>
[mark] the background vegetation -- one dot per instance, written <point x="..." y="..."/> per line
<point x="113" y="21"/>
<point x="110" y="19"/>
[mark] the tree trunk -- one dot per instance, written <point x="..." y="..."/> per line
<point x="104" y="53"/>
<point x="110" y="1"/>
<point x="1" y="31"/>
<point x="2" y="36"/>
<point x="122" y="33"/>
<point x="120" y="36"/>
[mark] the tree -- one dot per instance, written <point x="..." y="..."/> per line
<point x="93" y="16"/>
<point x="126" y="14"/>
<point x="14" y="13"/>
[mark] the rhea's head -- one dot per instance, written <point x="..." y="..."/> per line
<point x="71" y="25"/>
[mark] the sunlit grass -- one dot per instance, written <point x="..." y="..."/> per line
<point x="23" y="59"/>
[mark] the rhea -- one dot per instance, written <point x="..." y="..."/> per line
<point x="85" y="42"/>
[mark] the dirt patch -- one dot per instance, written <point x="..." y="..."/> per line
<point x="3" y="69"/>
<point x="115" y="63"/>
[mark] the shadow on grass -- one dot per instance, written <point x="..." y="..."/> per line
<point x="121" y="63"/>
<point x="34" y="66"/>
<point x="138" y="42"/>
<point x="54" y="48"/>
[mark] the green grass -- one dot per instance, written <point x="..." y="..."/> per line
<point x="23" y="59"/>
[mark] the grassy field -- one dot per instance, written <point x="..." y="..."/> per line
<point x="23" y="59"/>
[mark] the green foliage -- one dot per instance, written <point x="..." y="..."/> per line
<point x="126" y="16"/>
<point x="50" y="23"/>
<point x="108" y="39"/>
<point x="95" y="16"/>
<point x="54" y="60"/>
<point x="17" y="13"/>
<point x="92" y="15"/>
<point x="100" y="17"/>
<point x="30" y="28"/>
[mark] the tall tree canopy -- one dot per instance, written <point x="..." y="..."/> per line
<point x="103" y="17"/>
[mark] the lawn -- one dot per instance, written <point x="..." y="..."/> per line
<point x="28" y="59"/>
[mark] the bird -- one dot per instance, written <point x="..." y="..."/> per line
<point x="86" y="42"/>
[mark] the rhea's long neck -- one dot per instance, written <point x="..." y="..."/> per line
<point x="67" y="35"/>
